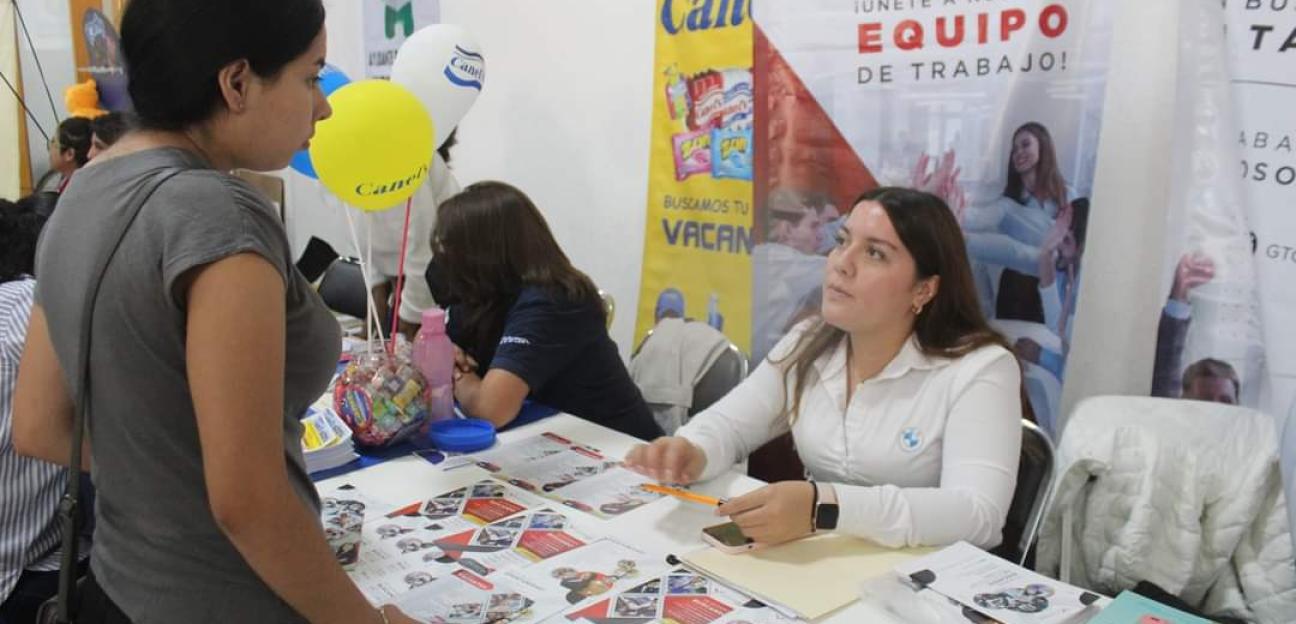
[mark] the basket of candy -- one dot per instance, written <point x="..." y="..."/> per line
<point x="380" y="395"/>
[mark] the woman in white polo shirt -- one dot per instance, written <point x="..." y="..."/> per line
<point x="905" y="406"/>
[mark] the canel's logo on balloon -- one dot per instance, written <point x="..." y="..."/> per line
<point x="383" y="188"/>
<point x="466" y="69"/>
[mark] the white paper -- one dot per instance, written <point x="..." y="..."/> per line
<point x="997" y="588"/>
<point x="465" y="598"/>
<point x="587" y="573"/>
<point x="676" y="597"/>
<point x="576" y="475"/>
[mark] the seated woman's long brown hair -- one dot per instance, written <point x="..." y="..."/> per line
<point x="490" y="240"/>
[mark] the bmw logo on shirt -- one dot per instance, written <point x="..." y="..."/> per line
<point x="910" y="440"/>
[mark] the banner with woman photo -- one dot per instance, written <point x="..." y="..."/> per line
<point x="698" y="239"/>
<point x="996" y="107"/>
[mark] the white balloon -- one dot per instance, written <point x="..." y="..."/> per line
<point x="442" y="65"/>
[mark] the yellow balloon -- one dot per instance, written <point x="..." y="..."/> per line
<point x="375" y="150"/>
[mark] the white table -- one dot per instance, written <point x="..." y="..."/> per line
<point x="665" y="526"/>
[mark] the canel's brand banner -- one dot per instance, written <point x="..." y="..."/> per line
<point x="698" y="240"/>
<point x="996" y="107"/>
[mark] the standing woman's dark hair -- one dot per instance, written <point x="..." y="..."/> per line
<point x="490" y="240"/>
<point x="951" y="324"/>
<point x="174" y="50"/>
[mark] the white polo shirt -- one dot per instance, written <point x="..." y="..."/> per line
<point x="925" y="453"/>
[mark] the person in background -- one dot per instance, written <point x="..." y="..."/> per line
<point x="106" y="129"/>
<point x="30" y="489"/>
<point x="208" y="344"/>
<point x="1059" y="281"/>
<point x="1035" y="206"/>
<point x="387" y="227"/>
<point x="69" y="149"/>
<point x="1209" y="379"/>
<point x="42" y="203"/>
<point x="905" y="406"/>
<point x="785" y="268"/>
<point x="525" y="321"/>
<point x="670" y="304"/>
<point x="1193" y="270"/>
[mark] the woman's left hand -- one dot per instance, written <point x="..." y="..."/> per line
<point x="464" y="364"/>
<point x="777" y="513"/>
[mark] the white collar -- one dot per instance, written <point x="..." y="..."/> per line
<point x="909" y="358"/>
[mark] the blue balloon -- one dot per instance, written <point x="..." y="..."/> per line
<point x="331" y="79"/>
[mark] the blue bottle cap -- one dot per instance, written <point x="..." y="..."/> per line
<point x="462" y="435"/>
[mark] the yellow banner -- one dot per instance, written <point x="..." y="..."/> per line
<point x="698" y="239"/>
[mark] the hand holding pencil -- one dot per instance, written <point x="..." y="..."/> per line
<point x="685" y="495"/>
<point x="668" y="460"/>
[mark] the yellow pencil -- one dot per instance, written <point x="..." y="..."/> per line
<point x="682" y="494"/>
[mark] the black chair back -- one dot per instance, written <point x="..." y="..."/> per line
<point x="1034" y="485"/>
<point x="343" y="288"/>
<point x="724" y="375"/>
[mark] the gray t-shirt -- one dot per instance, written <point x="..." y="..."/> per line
<point x="158" y="552"/>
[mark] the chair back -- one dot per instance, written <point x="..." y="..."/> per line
<point x="343" y="288"/>
<point x="724" y="375"/>
<point x="609" y="306"/>
<point x="1030" y="499"/>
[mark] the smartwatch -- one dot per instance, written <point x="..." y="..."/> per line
<point x="825" y="513"/>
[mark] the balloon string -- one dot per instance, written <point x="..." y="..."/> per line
<point x="371" y="312"/>
<point x="400" y="272"/>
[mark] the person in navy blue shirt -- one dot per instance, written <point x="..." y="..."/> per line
<point x="525" y="322"/>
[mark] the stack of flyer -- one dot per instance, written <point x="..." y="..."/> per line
<point x="963" y="583"/>
<point x="326" y="439"/>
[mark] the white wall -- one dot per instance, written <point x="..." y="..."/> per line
<point x="565" y="116"/>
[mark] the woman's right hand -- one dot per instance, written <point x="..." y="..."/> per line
<point x="669" y="460"/>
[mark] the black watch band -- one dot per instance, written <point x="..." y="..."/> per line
<point x="825" y="514"/>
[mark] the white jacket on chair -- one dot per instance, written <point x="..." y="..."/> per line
<point x="1184" y="494"/>
<point x="669" y="364"/>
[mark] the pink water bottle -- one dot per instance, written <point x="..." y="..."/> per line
<point x="433" y="354"/>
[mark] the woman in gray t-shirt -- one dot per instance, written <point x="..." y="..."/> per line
<point x="206" y="343"/>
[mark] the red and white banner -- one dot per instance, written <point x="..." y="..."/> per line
<point x="995" y="106"/>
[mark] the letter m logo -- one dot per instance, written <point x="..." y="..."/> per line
<point x="402" y="17"/>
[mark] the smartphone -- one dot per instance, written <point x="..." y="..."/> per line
<point x="727" y="538"/>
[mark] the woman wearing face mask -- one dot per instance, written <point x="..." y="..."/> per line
<point x="208" y="344"/>
<point x="528" y="323"/>
<point x="904" y="405"/>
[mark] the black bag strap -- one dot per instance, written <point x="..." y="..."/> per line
<point x="69" y="511"/>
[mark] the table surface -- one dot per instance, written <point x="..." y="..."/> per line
<point x="666" y="526"/>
